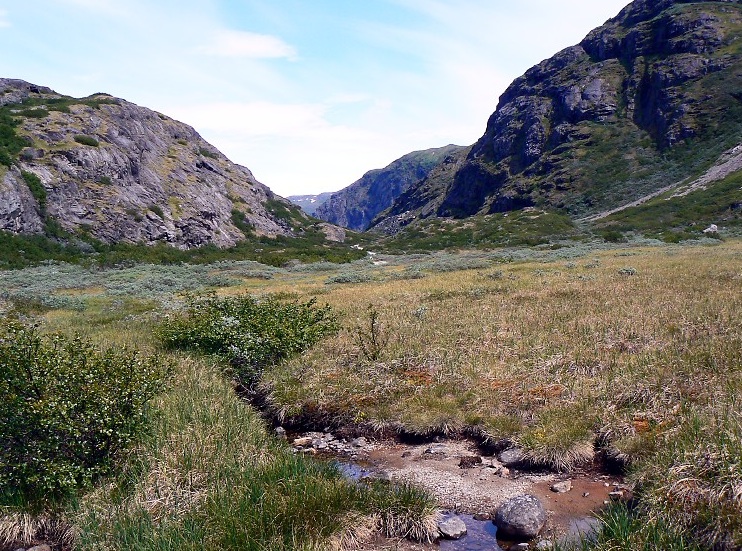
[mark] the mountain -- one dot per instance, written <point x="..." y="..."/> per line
<point x="103" y="167"/>
<point x="309" y="203"/>
<point x="356" y="206"/>
<point x="645" y="103"/>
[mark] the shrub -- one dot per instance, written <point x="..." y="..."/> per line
<point x="86" y="140"/>
<point x="37" y="189"/>
<point x="249" y="333"/>
<point x="156" y="209"/>
<point x="348" y="277"/>
<point x="105" y="180"/>
<point x="206" y="153"/>
<point x="370" y="335"/>
<point x="68" y="410"/>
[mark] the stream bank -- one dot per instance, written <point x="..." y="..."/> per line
<point x="472" y="484"/>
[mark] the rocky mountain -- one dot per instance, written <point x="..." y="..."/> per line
<point x="646" y="102"/>
<point x="309" y="203"/>
<point x="107" y="168"/>
<point x="356" y="206"/>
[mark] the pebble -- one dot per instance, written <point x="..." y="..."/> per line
<point x="303" y="441"/>
<point x="562" y="487"/>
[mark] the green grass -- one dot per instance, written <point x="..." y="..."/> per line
<point x="527" y="227"/>
<point x="19" y="251"/>
<point x="677" y="218"/>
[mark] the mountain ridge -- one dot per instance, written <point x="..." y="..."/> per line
<point x="104" y="167"/>
<point x="645" y="100"/>
<point x="358" y="204"/>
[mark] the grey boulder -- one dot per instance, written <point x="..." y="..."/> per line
<point x="521" y="517"/>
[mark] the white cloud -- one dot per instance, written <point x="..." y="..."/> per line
<point x="4" y="23"/>
<point x="230" y="43"/>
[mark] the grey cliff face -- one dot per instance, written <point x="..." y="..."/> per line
<point x="656" y="76"/>
<point x="356" y="206"/>
<point x="125" y="173"/>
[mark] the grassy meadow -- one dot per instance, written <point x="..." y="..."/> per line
<point x="628" y="353"/>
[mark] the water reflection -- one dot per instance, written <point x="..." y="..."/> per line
<point x="481" y="536"/>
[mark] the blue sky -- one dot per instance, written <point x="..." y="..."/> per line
<point x="307" y="94"/>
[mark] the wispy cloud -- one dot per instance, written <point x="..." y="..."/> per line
<point x="231" y="43"/>
<point x="4" y="23"/>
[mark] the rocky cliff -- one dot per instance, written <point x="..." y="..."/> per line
<point x="119" y="172"/>
<point x="358" y="204"/>
<point x="650" y="98"/>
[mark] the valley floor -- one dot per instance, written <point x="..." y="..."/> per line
<point x="630" y="356"/>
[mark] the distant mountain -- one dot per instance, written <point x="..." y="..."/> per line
<point x="645" y="103"/>
<point x="358" y="204"/>
<point x="107" y="168"/>
<point x="309" y="203"/>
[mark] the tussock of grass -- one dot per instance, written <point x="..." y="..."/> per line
<point x="20" y="528"/>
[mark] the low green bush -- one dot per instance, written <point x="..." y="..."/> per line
<point x="86" y="140"/>
<point x="249" y="333"/>
<point x="68" y="411"/>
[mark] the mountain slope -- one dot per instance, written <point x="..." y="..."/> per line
<point x="104" y="167"/>
<point x="356" y="206"/>
<point x="649" y="99"/>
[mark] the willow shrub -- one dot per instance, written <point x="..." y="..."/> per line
<point x="68" y="410"/>
<point x="250" y="333"/>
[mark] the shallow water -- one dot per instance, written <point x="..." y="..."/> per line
<point x="481" y="536"/>
<point x="353" y="471"/>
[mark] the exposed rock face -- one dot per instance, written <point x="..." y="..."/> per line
<point x="357" y="205"/>
<point x="598" y="123"/>
<point x="149" y="179"/>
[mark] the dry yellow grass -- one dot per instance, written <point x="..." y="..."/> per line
<point x="552" y="355"/>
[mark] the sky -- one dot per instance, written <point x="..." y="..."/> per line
<point x="308" y="94"/>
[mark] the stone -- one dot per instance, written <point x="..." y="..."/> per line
<point x="504" y="472"/>
<point x="521" y="517"/>
<point x="585" y="530"/>
<point x="562" y="487"/>
<point x="519" y="547"/>
<point x="469" y="462"/>
<point x="280" y="433"/>
<point x="511" y="457"/>
<point x="360" y="442"/>
<point x="482" y="516"/>
<point x="303" y="441"/>
<point x="544" y="545"/>
<point x="42" y="547"/>
<point x="452" y="528"/>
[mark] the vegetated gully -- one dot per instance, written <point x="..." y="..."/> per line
<point x="462" y="471"/>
